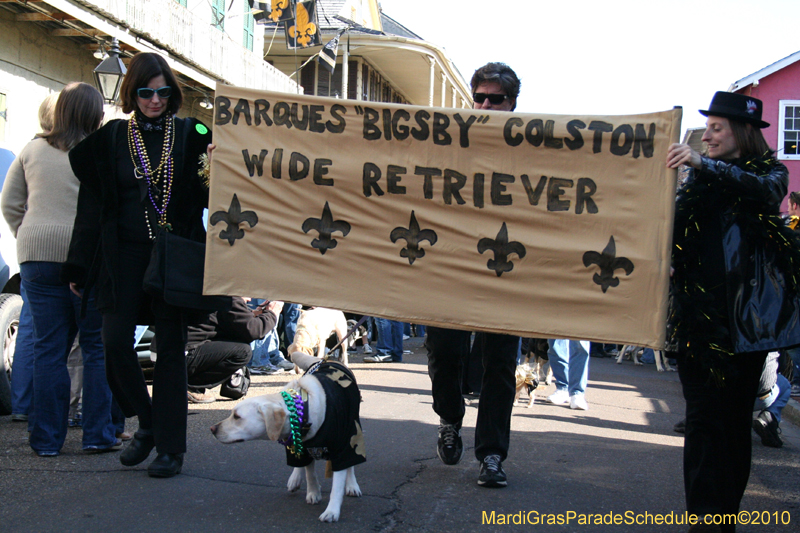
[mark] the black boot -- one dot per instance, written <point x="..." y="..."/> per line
<point x="166" y="465"/>
<point x="138" y="450"/>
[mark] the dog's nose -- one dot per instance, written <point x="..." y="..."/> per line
<point x="214" y="428"/>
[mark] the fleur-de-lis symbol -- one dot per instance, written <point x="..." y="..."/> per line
<point x="608" y="263"/>
<point x="413" y="236"/>
<point x="233" y="217"/>
<point x="502" y="249"/>
<point x="303" y="28"/>
<point x="325" y="226"/>
<point x="278" y="7"/>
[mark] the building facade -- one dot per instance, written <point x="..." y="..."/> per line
<point x="778" y="86"/>
<point x="379" y="59"/>
<point x="47" y="44"/>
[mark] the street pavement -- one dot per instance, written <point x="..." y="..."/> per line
<point x="620" y="459"/>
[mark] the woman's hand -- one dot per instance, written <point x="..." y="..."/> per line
<point x="210" y="148"/>
<point x="682" y="154"/>
<point x="75" y="290"/>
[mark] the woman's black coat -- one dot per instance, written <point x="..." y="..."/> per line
<point x="762" y="314"/>
<point x="93" y="253"/>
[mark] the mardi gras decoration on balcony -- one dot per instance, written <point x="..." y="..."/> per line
<point x="303" y="31"/>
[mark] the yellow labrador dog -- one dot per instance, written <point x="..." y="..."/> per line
<point x="315" y="417"/>
<point x="314" y="326"/>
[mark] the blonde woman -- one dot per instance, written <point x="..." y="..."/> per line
<point x="39" y="202"/>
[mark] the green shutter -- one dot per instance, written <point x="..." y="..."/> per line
<point x="249" y="27"/>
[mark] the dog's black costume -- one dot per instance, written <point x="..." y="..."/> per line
<point x="339" y="440"/>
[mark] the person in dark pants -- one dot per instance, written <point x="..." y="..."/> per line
<point x="732" y="301"/>
<point x="139" y="177"/>
<point x="494" y="87"/>
<point x="218" y="347"/>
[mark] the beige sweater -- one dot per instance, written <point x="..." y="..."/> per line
<point x="39" y="201"/>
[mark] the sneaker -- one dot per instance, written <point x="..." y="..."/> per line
<point x="76" y="421"/>
<point x="559" y="397"/>
<point x="406" y="337"/>
<point x="378" y="358"/>
<point x="367" y="349"/>
<point x="492" y="474"/>
<point x="450" y="448"/>
<point x="283" y="364"/>
<point x="767" y="428"/>
<point x="19" y="417"/>
<point x="680" y="426"/>
<point x="795" y="393"/>
<point x="578" y="401"/>
<point x="266" y="370"/>
<point x="200" y="397"/>
<point x="116" y="445"/>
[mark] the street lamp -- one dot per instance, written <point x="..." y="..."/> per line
<point x="108" y="74"/>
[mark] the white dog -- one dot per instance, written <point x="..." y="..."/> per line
<point x="314" y="326"/>
<point x="330" y="434"/>
<point x="632" y="352"/>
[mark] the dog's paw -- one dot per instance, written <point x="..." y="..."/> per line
<point x="353" y="490"/>
<point x="295" y="480"/>
<point x="313" y="497"/>
<point x="330" y="515"/>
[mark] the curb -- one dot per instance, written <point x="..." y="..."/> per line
<point x="792" y="412"/>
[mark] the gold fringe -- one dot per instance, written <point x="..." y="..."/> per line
<point x="205" y="170"/>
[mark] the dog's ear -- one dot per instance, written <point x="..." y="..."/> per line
<point x="274" y="419"/>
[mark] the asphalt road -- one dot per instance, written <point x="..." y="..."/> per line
<point x="620" y="459"/>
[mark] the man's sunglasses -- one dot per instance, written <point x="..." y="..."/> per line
<point x="147" y="93"/>
<point x="494" y="99"/>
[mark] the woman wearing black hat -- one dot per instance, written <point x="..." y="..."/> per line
<point x="734" y="296"/>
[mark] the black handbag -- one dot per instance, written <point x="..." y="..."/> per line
<point x="237" y="385"/>
<point x="175" y="273"/>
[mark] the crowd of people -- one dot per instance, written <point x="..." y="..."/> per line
<point x="86" y="202"/>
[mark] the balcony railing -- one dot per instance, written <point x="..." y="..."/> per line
<point x="195" y="40"/>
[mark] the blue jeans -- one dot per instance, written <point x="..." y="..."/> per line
<point x="22" y="377"/>
<point x="390" y="338"/>
<point x="569" y="361"/>
<point x="266" y="350"/>
<point x="56" y="321"/>
<point x="289" y="316"/>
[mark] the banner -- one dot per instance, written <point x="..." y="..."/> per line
<point x="549" y="226"/>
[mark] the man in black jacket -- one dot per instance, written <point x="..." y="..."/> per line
<point x="218" y="348"/>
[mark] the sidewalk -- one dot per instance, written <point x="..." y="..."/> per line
<point x="619" y="456"/>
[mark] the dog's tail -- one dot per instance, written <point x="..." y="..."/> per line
<point x="303" y="360"/>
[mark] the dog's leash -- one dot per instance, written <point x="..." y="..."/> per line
<point x="347" y="336"/>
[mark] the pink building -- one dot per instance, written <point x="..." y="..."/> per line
<point x="778" y="86"/>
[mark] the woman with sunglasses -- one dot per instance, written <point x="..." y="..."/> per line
<point x="734" y="294"/>
<point x="138" y="177"/>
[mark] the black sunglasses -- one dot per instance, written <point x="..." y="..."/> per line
<point x="147" y="93"/>
<point x="494" y="99"/>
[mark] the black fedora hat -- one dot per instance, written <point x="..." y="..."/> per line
<point x="737" y="107"/>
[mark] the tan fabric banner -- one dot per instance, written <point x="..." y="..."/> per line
<point x="541" y="225"/>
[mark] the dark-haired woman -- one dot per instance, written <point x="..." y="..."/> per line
<point x="139" y="177"/>
<point x="734" y="297"/>
<point x="39" y="203"/>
